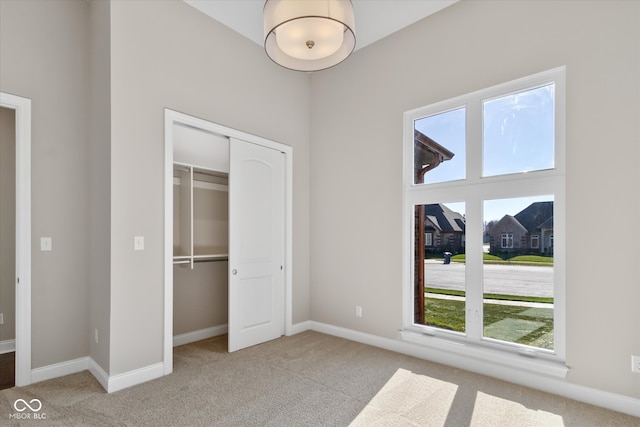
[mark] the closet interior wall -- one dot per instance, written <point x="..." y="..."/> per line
<point x="200" y="231"/>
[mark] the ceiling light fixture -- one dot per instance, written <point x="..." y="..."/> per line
<point x="308" y="35"/>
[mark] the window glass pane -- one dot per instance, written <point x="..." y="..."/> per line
<point x="518" y="270"/>
<point x="440" y="265"/>
<point x="439" y="147"/>
<point x="518" y="132"/>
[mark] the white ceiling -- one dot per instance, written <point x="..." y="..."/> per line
<point x="375" y="19"/>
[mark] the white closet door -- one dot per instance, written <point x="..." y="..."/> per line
<point x="256" y="244"/>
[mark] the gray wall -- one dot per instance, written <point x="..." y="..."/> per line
<point x="185" y="61"/>
<point x="356" y="181"/>
<point x="44" y="50"/>
<point x="8" y="223"/>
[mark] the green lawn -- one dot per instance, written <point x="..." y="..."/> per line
<point x="517" y="260"/>
<point x="547" y="300"/>
<point x="523" y="325"/>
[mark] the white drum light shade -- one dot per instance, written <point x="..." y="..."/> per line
<point x="308" y="35"/>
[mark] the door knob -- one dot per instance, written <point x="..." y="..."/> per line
<point x="234" y="271"/>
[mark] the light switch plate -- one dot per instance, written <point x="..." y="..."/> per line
<point x="138" y="243"/>
<point x="46" y="244"/>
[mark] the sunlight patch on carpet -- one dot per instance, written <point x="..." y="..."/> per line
<point x="408" y="398"/>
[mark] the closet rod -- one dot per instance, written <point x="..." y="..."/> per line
<point x="210" y="259"/>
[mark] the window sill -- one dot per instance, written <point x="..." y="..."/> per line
<point x="470" y="356"/>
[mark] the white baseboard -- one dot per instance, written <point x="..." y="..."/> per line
<point x="99" y="374"/>
<point x="301" y="327"/>
<point x="199" y="335"/>
<point x="59" y="369"/>
<point x="135" y="377"/>
<point x="615" y="402"/>
<point x="110" y="384"/>
<point x="7" y="346"/>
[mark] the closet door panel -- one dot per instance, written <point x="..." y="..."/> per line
<point x="256" y="244"/>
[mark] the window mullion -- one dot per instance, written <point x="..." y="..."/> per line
<point x="474" y="140"/>
<point x="474" y="304"/>
<point x="473" y="279"/>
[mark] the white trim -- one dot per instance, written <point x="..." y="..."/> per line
<point x="300" y="327"/>
<point x="135" y="377"/>
<point x="7" y="346"/>
<point x="524" y="360"/>
<point x="22" y="107"/>
<point x="99" y="373"/>
<point x="168" y="245"/>
<point x="172" y="117"/>
<point x="60" y="369"/>
<point x="199" y="335"/>
<point x="560" y="387"/>
<point x="110" y="384"/>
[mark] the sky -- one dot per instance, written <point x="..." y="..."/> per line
<point x="518" y="136"/>
<point x="496" y="209"/>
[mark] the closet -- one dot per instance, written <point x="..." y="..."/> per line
<point x="227" y="235"/>
<point x="200" y="233"/>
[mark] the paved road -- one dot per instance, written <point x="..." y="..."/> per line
<point x="498" y="279"/>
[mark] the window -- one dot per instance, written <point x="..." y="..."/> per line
<point x="484" y="190"/>
<point x="439" y="147"/>
<point x="507" y="241"/>
<point x="535" y="241"/>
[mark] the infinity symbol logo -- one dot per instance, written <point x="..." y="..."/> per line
<point x="24" y="405"/>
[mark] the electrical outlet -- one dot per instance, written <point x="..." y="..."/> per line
<point x="635" y="364"/>
<point x="46" y="244"/>
<point x="95" y="335"/>
<point x="358" y="311"/>
<point x="138" y="243"/>
<point x="1" y="318"/>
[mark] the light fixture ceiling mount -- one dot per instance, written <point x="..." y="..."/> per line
<point x="308" y="35"/>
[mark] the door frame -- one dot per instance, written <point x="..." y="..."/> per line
<point x="171" y="118"/>
<point x="22" y="108"/>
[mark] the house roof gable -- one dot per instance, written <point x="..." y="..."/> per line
<point x="444" y="218"/>
<point x="507" y="224"/>
<point x="535" y="215"/>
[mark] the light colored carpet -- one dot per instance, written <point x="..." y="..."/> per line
<point x="309" y="379"/>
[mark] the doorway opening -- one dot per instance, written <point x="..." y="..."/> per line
<point x="7" y="247"/>
<point x="19" y="279"/>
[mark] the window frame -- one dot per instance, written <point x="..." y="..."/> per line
<point x="474" y="190"/>
<point x="428" y="239"/>
<point x="535" y="237"/>
<point x="508" y="237"/>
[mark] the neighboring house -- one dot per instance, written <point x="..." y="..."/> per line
<point x="530" y="231"/>
<point x="427" y="155"/>
<point x="443" y="229"/>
